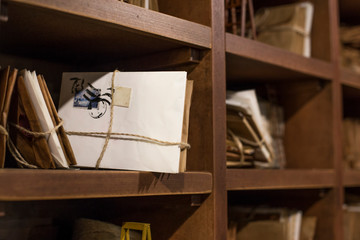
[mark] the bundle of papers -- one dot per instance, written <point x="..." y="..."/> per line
<point x="148" y="107"/>
<point x="36" y="138"/>
<point x="34" y="110"/>
<point x="270" y="223"/>
<point x="273" y="119"/>
<point x="286" y="26"/>
<point x="249" y="141"/>
<point x="350" y="47"/>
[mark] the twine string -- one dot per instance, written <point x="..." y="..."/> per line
<point x="13" y="150"/>
<point x="108" y="134"/>
<point x="3" y="131"/>
<point x="37" y="134"/>
<point x="131" y="137"/>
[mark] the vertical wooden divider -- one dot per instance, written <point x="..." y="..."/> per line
<point x="219" y="118"/>
<point x="337" y="119"/>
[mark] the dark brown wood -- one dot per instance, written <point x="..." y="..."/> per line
<point x="321" y="45"/>
<point x="325" y="213"/>
<point x="351" y="178"/>
<point x="349" y="78"/>
<point x="164" y="60"/>
<point x="308" y="125"/>
<point x="254" y="60"/>
<point x="84" y="35"/>
<point x="349" y="11"/>
<point x="253" y="179"/>
<point x="195" y="11"/>
<point x="219" y="120"/>
<point x="117" y="29"/>
<point x="337" y="196"/>
<point x="25" y="184"/>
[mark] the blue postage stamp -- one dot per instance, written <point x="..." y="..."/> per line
<point x="87" y="98"/>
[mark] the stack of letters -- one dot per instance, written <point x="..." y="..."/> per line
<point x="248" y="141"/>
<point x="286" y="26"/>
<point x="144" y="120"/>
<point x="270" y="223"/>
<point x="115" y="120"/>
<point x="350" y="47"/>
<point x="255" y="131"/>
<point x="36" y="138"/>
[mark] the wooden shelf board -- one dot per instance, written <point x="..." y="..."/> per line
<point x="100" y="30"/>
<point x="251" y="179"/>
<point x="351" y="178"/>
<point x="26" y="184"/>
<point x="249" y="59"/>
<point x="350" y="78"/>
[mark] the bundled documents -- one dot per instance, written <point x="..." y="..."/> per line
<point x="141" y="125"/>
<point x="350" y="47"/>
<point x="286" y="26"/>
<point x="270" y="223"/>
<point x="37" y="138"/>
<point x="273" y="119"/>
<point x="33" y="131"/>
<point x="249" y="141"/>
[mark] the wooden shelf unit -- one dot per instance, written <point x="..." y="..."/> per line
<point x="53" y="36"/>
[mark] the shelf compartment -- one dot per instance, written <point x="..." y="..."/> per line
<point x="253" y="179"/>
<point x="248" y="59"/>
<point x="25" y="184"/>
<point x="103" y="29"/>
<point x="349" y="11"/>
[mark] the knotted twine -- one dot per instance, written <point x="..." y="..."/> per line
<point x="14" y="152"/>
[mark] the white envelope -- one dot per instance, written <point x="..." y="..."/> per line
<point x="151" y="104"/>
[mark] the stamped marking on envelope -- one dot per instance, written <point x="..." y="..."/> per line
<point x="122" y="97"/>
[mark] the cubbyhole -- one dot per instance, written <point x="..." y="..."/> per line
<point x="351" y="127"/>
<point x="55" y="219"/>
<point x="319" y="34"/>
<point x="349" y="25"/>
<point x="194" y="61"/>
<point x="307" y="119"/>
<point x="313" y="205"/>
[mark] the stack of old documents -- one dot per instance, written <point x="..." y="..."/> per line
<point x="286" y="26"/>
<point x="249" y="142"/>
<point x="35" y="135"/>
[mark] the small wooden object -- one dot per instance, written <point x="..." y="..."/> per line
<point x="234" y="8"/>
<point x="144" y="227"/>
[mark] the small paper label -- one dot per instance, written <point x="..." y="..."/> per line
<point x="122" y="97"/>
